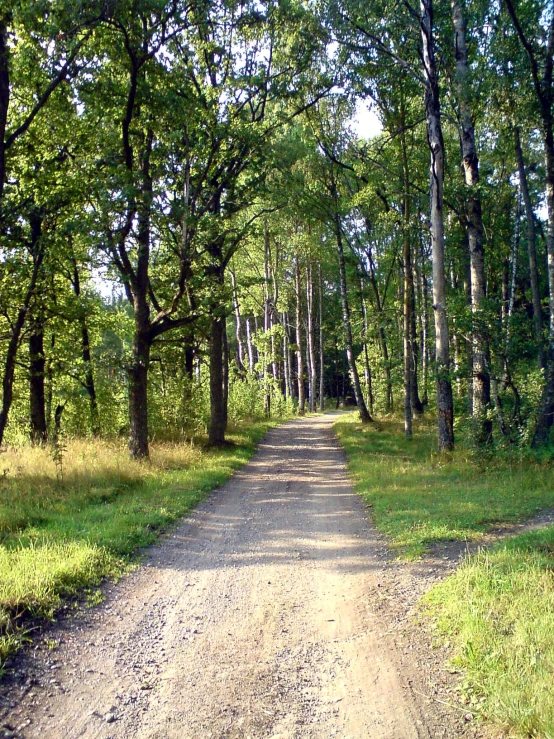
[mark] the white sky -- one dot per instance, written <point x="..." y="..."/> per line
<point x="366" y="123"/>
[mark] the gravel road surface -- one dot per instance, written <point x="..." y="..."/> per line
<point x="273" y="611"/>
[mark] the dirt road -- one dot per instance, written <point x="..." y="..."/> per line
<point x="255" y="618"/>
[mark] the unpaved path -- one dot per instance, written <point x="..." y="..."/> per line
<point x="266" y="614"/>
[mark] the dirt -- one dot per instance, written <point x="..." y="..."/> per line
<point x="273" y="611"/>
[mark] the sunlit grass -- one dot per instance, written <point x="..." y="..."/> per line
<point x="63" y="527"/>
<point x="419" y="497"/>
<point x="497" y="610"/>
<point x="498" y="613"/>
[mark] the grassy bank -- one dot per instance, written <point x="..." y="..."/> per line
<point x="69" y="519"/>
<point x="497" y="610"/>
<point x="418" y="497"/>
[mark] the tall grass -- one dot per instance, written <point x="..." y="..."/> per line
<point x="67" y="523"/>
<point x="498" y="613"/>
<point x="419" y="497"/>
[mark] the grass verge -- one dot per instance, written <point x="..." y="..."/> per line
<point x="65" y="525"/>
<point x="497" y="611"/>
<point x="419" y="497"/>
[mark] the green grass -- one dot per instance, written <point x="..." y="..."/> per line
<point x="497" y="611"/>
<point x="60" y="537"/>
<point x="419" y="497"/>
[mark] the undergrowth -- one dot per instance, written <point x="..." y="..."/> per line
<point x="63" y="533"/>
<point x="419" y="497"/>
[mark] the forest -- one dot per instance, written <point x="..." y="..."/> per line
<point x="194" y="228"/>
<point x="217" y="216"/>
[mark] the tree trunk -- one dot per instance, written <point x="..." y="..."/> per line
<point x="360" y="402"/>
<point x="142" y="340"/>
<point x="481" y="374"/>
<point x="407" y="256"/>
<point x="4" y="100"/>
<point x="250" y="347"/>
<point x="238" y="326"/>
<point x="546" y="411"/>
<point x="267" y="321"/>
<point x="225" y="361"/>
<point x="37" y="396"/>
<point x="367" y="367"/>
<point x="544" y="91"/>
<point x="37" y="251"/>
<point x="89" y="385"/>
<point x="321" y="346"/>
<point x="445" y="407"/>
<point x="299" y="349"/>
<point x="424" y="326"/>
<point x="217" y="398"/>
<point x="312" y="379"/>
<point x="531" y="250"/>
<point x="138" y="386"/>
<point x="189" y="361"/>
<point x="408" y="284"/>
<point x="287" y="357"/>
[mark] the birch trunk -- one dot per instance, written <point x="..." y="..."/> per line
<point x="321" y="346"/>
<point x="445" y="408"/>
<point x="238" y="323"/>
<point x="299" y="349"/>
<point x="250" y="347"/>
<point x="481" y="374"/>
<point x="312" y="380"/>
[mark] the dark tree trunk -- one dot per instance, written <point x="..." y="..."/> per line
<point x="531" y="250"/>
<point x="37" y="251"/>
<point x="4" y="100"/>
<point x="189" y="361"/>
<point x="299" y="347"/>
<point x="138" y="387"/>
<point x="225" y="360"/>
<point x="408" y="286"/>
<point x="217" y="396"/>
<point x="142" y="339"/>
<point x="89" y="385"/>
<point x="408" y="357"/>
<point x="37" y="395"/>
<point x="360" y="402"/>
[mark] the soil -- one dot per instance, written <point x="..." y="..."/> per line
<point x="274" y="610"/>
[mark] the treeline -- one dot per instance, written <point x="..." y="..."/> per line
<point x="192" y="233"/>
